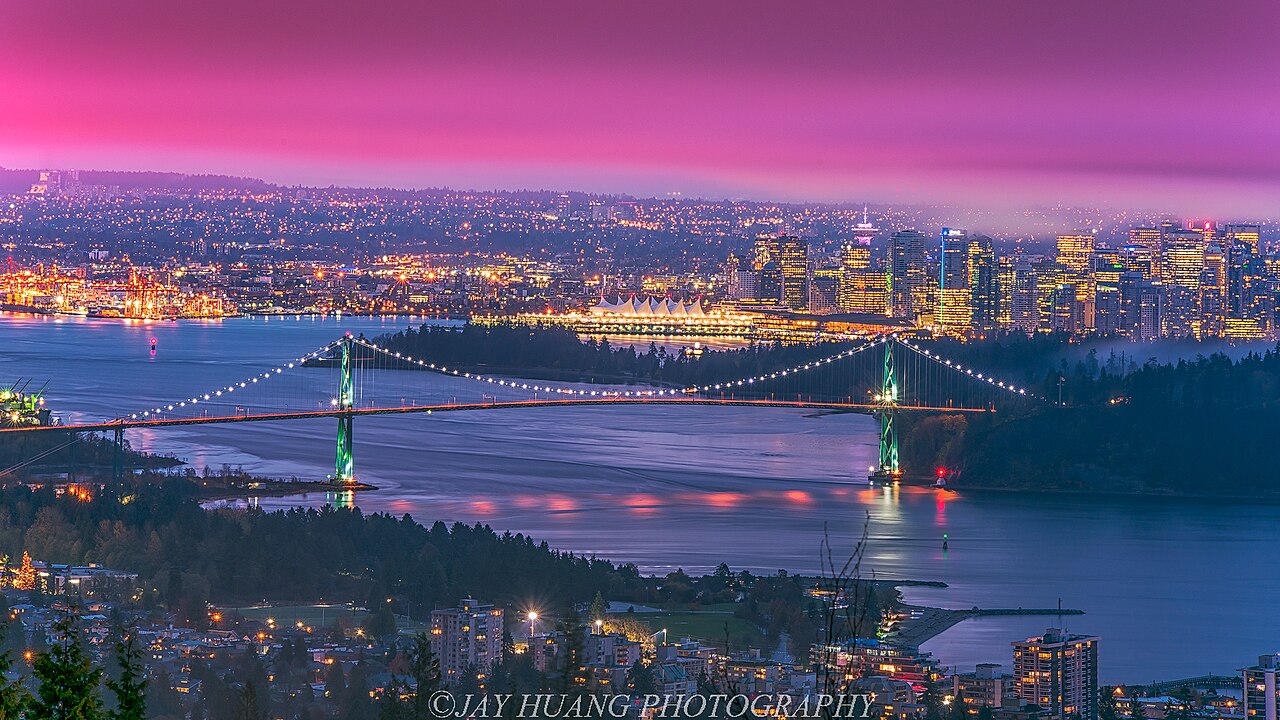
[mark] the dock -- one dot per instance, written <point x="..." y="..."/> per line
<point x="921" y="623"/>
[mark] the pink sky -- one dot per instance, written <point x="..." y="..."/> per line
<point x="1173" y="104"/>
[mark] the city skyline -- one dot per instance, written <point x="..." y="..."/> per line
<point x="998" y="106"/>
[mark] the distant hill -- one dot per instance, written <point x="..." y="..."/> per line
<point x="19" y="181"/>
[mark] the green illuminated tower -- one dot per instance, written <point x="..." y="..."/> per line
<point x="344" y="463"/>
<point x="888" y="401"/>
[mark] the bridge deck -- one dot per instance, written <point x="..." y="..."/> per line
<point x="403" y="410"/>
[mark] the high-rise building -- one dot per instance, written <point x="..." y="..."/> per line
<point x="563" y="206"/>
<point x="1182" y="268"/>
<point x="824" y="289"/>
<point x="466" y="638"/>
<point x="1024" y="305"/>
<point x="1261" y="691"/>
<point x="767" y="264"/>
<point x="1004" y="292"/>
<point x="1074" y="251"/>
<point x="908" y="274"/>
<point x="793" y="263"/>
<point x="1148" y="239"/>
<point x="954" y="311"/>
<point x="1058" y="672"/>
<point x="1250" y="235"/>
<point x="984" y="286"/>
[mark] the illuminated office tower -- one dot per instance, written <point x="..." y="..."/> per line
<point x="1213" y="290"/>
<point x="1066" y="313"/>
<point x="1250" y="310"/>
<point x="1150" y="311"/>
<point x="793" y="264"/>
<point x="1147" y="238"/>
<point x="1182" y="269"/>
<point x="1074" y="252"/>
<point x="1058" y="672"/>
<point x="1049" y="275"/>
<point x="1004" y="292"/>
<point x="984" y="288"/>
<point x="1250" y="235"/>
<point x="908" y="274"/>
<point x="953" y="254"/>
<point x="955" y="300"/>
<point x="1140" y="259"/>
<point x="768" y="252"/>
<point x="1103" y="315"/>
<point x="824" y="289"/>
<point x="855" y="256"/>
<point x="1024" y="306"/>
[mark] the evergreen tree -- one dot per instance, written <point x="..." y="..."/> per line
<point x="13" y="696"/>
<point x="1107" y="704"/>
<point x="640" y="680"/>
<point x="985" y="713"/>
<point x="247" y="704"/>
<point x="131" y="689"/>
<point x="572" y="660"/>
<point x="335" y="682"/>
<point x="425" y="669"/>
<point x="68" y="680"/>
<point x="599" y="608"/>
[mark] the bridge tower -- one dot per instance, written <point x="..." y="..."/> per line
<point x="888" y="470"/>
<point x="344" y="470"/>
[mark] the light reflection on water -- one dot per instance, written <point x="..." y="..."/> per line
<point x="668" y="487"/>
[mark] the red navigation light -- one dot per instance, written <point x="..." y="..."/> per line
<point x="153" y="341"/>
<point x="942" y="472"/>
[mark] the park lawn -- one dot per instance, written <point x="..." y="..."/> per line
<point x="706" y="626"/>
<point x="317" y="616"/>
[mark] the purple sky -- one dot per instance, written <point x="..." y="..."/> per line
<point x="1172" y="103"/>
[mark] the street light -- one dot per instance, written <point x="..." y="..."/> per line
<point x="533" y="618"/>
<point x="599" y="625"/>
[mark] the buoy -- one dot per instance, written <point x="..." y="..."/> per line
<point x="944" y="540"/>
<point x="153" y="344"/>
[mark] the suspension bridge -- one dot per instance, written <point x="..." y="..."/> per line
<point x="353" y="377"/>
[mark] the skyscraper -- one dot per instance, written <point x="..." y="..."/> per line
<point x="1250" y="235"/>
<point x="955" y="300"/>
<point x="1058" y="672"/>
<point x="984" y="286"/>
<point x="1182" y="267"/>
<point x="1074" y="251"/>
<point x="793" y="264"/>
<point x="1147" y="238"/>
<point x="908" y="274"/>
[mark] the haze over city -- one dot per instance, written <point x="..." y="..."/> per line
<point x="994" y="104"/>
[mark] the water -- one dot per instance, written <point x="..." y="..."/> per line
<point x="1174" y="587"/>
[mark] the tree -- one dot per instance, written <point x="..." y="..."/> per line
<point x="425" y="669"/>
<point x="381" y="622"/>
<point x="1107" y="704"/>
<point x="247" y="704"/>
<point x="985" y="713"/>
<point x="640" y="680"/>
<point x="131" y="688"/>
<point x="13" y="696"/>
<point x="68" y="679"/>
<point x="599" y="608"/>
<point x="26" y="578"/>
